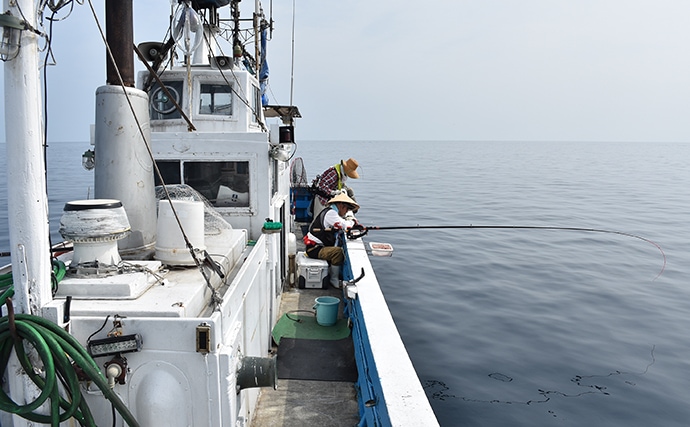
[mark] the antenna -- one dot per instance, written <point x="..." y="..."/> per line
<point x="292" y="65"/>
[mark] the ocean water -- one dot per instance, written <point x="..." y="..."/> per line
<point x="512" y="326"/>
<point x="66" y="180"/>
<point x="524" y="327"/>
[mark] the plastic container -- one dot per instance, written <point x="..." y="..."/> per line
<point x="313" y="273"/>
<point x="302" y="201"/>
<point x="171" y="247"/>
<point x="292" y="244"/>
<point x="381" y="249"/>
<point x="327" y="310"/>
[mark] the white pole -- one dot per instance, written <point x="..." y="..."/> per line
<point x="27" y="199"/>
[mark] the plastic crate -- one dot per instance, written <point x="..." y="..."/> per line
<point x="301" y="201"/>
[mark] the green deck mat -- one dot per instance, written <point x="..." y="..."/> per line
<point x="293" y="325"/>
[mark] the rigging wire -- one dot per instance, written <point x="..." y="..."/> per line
<point x="172" y="98"/>
<point x="242" y="97"/>
<point x="216" y="299"/>
<point x="49" y="53"/>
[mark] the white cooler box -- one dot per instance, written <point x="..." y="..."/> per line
<point x="313" y="273"/>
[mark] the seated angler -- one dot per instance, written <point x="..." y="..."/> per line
<point x="322" y="240"/>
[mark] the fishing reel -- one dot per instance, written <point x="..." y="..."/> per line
<point x="356" y="231"/>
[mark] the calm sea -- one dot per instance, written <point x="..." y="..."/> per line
<point x="510" y="326"/>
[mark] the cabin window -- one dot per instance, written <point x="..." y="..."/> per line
<point x="170" y="171"/>
<point x="215" y="99"/>
<point x="224" y="184"/>
<point x="162" y="102"/>
<point x="256" y="104"/>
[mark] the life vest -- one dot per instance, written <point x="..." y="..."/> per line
<point x="328" y="237"/>
<point x="340" y="175"/>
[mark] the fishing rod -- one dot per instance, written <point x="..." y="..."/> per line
<point x="360" y="231"/>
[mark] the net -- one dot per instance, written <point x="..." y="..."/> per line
<point x="214" y="223"/>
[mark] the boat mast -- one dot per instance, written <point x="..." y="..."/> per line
<point x="257" y="36"/>
<point x="236" y="46"/>
<point x="27" y="198"/>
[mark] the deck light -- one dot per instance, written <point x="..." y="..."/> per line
<point x="286" y="147"/>
<point x="88" y="160"/>
<point x="10" y="39"/>
<point x="283" y="151"/>
<point x="115" y="345"/>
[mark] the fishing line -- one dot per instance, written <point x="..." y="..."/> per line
<point x="529" y="227"/>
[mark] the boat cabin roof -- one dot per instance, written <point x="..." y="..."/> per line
<point x="205" y="99"/>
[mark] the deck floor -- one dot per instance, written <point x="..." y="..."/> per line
<point x="306" y="403"/>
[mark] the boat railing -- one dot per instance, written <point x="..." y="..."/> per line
<point x="390" y="392"/>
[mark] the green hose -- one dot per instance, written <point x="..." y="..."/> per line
<point x="59" y="272"/>
<point x="53" y="346"/>
<point x="60" y="353"/>
<point x="5" y="279"/>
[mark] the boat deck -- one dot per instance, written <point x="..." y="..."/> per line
<point x="307" y="403"/>
<point x="301" y="402"/>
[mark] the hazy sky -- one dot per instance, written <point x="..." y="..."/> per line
<point x="595" y="70"/>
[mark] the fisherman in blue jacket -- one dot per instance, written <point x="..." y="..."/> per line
<point x="327" y="227"/>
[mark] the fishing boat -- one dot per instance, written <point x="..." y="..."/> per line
<point x="160" y="306"/>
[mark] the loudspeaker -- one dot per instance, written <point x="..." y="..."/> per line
<point x="150" y="50"/>
<point x="221" y="62"/>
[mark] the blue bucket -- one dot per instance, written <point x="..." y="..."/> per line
<point x="326" y="310"/>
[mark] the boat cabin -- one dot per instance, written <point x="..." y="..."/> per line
<point x="208" y="130"/>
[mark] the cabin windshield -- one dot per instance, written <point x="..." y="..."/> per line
<point x="224" y="184"/>
<point x="161" y="101"/>
<point x="215" y="99"/>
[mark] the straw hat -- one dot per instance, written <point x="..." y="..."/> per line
<point x="343" y="198"/>
<point x="349" y="166"/>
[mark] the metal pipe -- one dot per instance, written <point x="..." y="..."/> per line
<point x="120" y="34"/>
